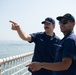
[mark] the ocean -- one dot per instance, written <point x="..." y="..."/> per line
<point x="12" y="48"/>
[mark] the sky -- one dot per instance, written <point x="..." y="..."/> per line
<point x="30" y="13"/>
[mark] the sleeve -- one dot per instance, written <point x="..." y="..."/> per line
<point x="33" y="37"/>
<point x="69" y="49"/>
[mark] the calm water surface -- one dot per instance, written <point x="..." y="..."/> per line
<point x="11" y="48"/>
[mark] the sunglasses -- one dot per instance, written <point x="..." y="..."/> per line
<point x="63" y="22"/>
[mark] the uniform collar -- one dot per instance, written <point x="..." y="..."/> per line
<point x="52" y="37"/>
<point x="49" y="35"/>
<point x="68" y="34"/>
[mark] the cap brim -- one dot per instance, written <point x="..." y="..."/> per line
<point x="59" y="18"/>
<point x="45" y="22"/>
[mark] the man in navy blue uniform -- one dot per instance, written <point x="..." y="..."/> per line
<point x="45" y="44"/>
<point x="65" y="60"/>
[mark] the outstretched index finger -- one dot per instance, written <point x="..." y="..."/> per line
<point x="13" y="22"/>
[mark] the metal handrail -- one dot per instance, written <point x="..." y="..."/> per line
<point x="15" y="64"/>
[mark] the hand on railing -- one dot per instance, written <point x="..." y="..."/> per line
<point x="34" y="66"/>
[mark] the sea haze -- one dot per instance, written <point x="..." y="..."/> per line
<point x="12" y="48"/>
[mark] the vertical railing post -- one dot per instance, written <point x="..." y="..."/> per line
<point x="1" y="61"/>
<point x="0" y="69"/>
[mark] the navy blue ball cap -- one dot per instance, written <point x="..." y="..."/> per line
<point x="67" y="16"/>
<point x="49" y="20"/>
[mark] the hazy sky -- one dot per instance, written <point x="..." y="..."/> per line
<point x="30" y="13"/>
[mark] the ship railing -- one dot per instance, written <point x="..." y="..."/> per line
<point x="15" y="65"/>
